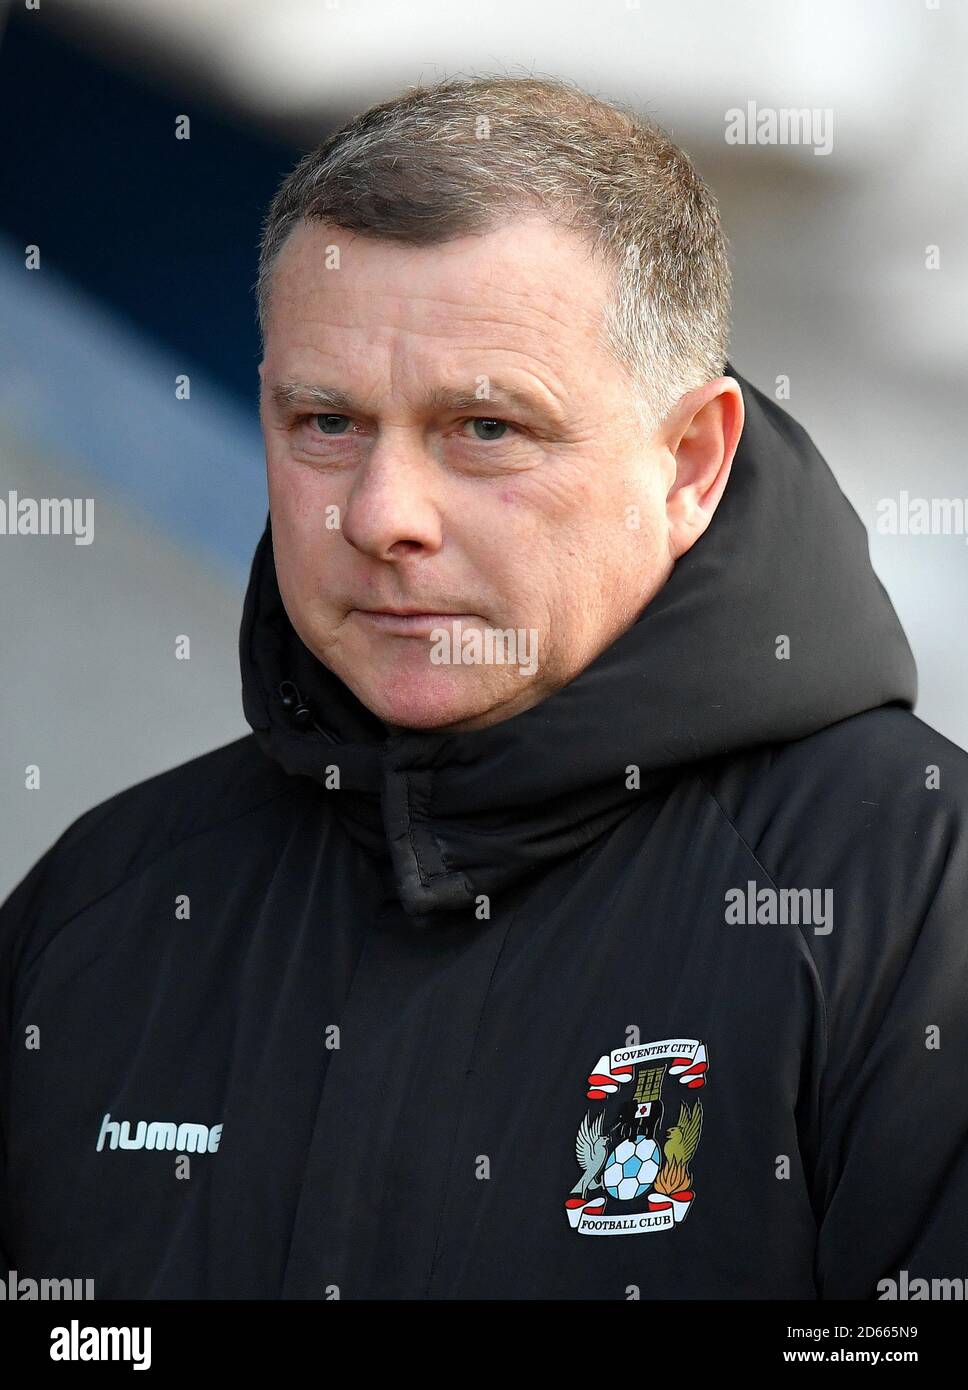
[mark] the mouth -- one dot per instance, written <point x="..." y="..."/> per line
<point x="408" y="622"/>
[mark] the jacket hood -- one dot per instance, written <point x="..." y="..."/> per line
<point x="696" y="677"/>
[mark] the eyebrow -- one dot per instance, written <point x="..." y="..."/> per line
<point x="286" y="394"/>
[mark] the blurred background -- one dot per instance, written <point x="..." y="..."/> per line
<point x="851" y="284"/>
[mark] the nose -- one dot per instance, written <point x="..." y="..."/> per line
<point x="391" y="512"/>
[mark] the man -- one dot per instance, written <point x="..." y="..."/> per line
<point x="584" y="917"/>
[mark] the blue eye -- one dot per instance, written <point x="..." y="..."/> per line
<point x="488" y="425"/>
<point x="323" y="423"/>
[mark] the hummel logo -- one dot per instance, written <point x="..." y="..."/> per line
<point x="159" y="1134"/>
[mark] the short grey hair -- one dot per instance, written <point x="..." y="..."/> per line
<point x="466" y="155"/>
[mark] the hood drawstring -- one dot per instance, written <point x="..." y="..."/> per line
<point x="299" y="711"/>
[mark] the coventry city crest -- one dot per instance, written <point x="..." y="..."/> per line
<point x="635" y="1173"/>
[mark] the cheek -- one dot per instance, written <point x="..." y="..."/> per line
<point x="548" y="506"/>
<point x="305" y="551"/>
<point x="293" y="491"/>
<point x="283" y="488"/>
<point x="307" y="507"/>
<point x="504" y="540"/>
<point x="537" y="541"/>
<point x="560" y="495"/>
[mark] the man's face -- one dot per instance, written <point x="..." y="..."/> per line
<point x="478" y="514"/>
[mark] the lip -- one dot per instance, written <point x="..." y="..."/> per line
<point x="408" y="622"/>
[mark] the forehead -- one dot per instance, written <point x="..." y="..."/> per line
<point x="525" y="277"/>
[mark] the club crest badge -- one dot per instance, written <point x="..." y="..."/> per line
<point x="634" y="1157"/>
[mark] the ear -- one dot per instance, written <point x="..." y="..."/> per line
<point x="701" y="433"/>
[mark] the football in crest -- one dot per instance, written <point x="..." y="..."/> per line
<point x="631" y="1168"/>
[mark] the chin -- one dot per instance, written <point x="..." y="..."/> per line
<point x="431" y="705"/>
<point x="431" y="700"/>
